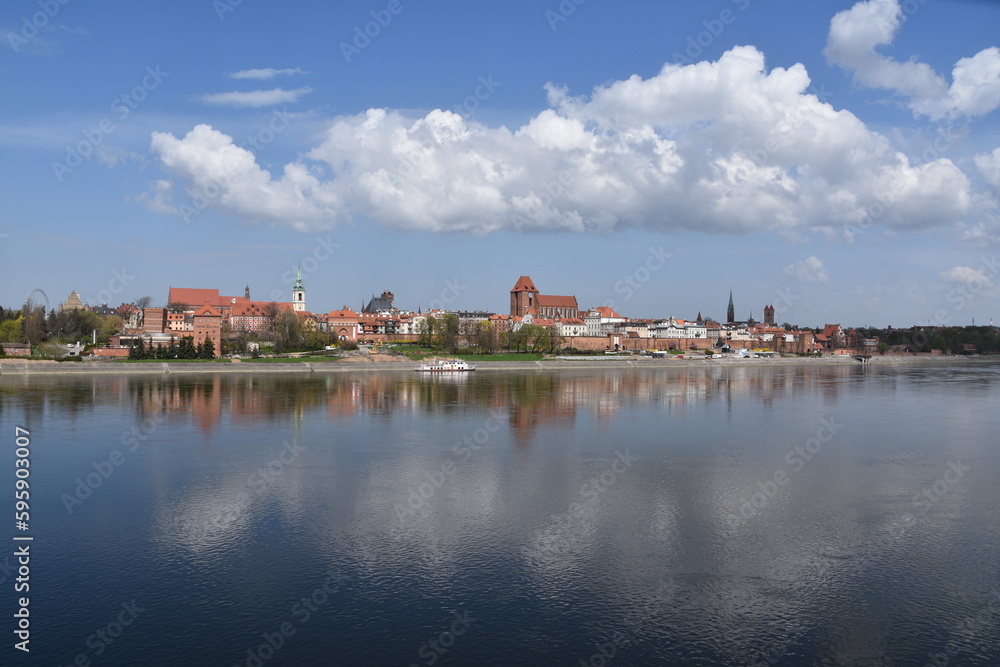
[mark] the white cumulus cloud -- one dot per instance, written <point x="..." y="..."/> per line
<point x="254" y="98"/>
<point x="809" y="270"/>
<point x="967" y="275"/>
<point x="717" y="147"/>
<point x="855" y="34"/>
<point x="223" y="175"/>
<point x="264" y="73"/>
<point x="989" y="167"/>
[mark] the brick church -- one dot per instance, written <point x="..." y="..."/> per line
<point x="524" y="298"/>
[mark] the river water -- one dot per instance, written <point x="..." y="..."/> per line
<point x="794" y="515"/>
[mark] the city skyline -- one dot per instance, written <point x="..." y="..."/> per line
<point x="839" y="161"/>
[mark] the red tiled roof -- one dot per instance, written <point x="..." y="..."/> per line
<point x="549" y="301"/>
<point x="524" y="284"/>
<point x="606" y="311"/>
<point x="207" y="311"/>
<point x="191" y="296"/>
<point x="255" y="308"/>
<point x="195" y="296"/>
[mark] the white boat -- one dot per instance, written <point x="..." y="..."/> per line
<point x="445" y="366"/>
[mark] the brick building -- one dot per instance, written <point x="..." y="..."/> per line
<point x="207" y="325"/>
<point x="524" y="298"/>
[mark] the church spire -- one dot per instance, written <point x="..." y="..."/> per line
<point x="299" y="293"/>
<point x="731" y="311"/>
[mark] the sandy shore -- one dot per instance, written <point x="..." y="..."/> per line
<point x="19" y="367"/>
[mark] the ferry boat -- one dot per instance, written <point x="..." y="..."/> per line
<point x="445" y="366"/>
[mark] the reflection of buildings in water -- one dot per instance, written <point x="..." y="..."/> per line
<point x="533" y="399"/>
<point x="202" y="398"/>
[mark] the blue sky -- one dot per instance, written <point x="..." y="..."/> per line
<point x="838" y="160"/>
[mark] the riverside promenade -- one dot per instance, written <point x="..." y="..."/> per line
<point x="20" y="367"/>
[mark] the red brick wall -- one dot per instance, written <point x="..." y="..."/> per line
<point x="208" y="327"/>
<point x="153" y="320"/>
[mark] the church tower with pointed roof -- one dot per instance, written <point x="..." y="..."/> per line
<point x="522" y="297"/>
<point x="731" y="311"/>
<point x="298" y="294"/>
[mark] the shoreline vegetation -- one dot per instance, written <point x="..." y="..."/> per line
<point x="13" y="366"/>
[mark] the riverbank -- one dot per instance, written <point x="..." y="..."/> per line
<point x="20" y="367"/>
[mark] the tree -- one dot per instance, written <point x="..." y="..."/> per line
<point x="12" y="331"/>
<point x="186" y="349"/>
<point x="207" y="349"/>
<point x="287" y="332"/>
<point x="425" y="331"/>
<point x="540" y="337"/>
<point x="176" y="307"/>
<point x="271" y="312"/>
<point x="449" y="333"/>
<point x="34" y="324"/>
<point x="143" y="302"/>
<point x="518" y="340"/>
<point x="882" y="347"/>
<point x="317" y="340"/>
<point x="486" y="337"/>
<point x="939" y="343"/>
